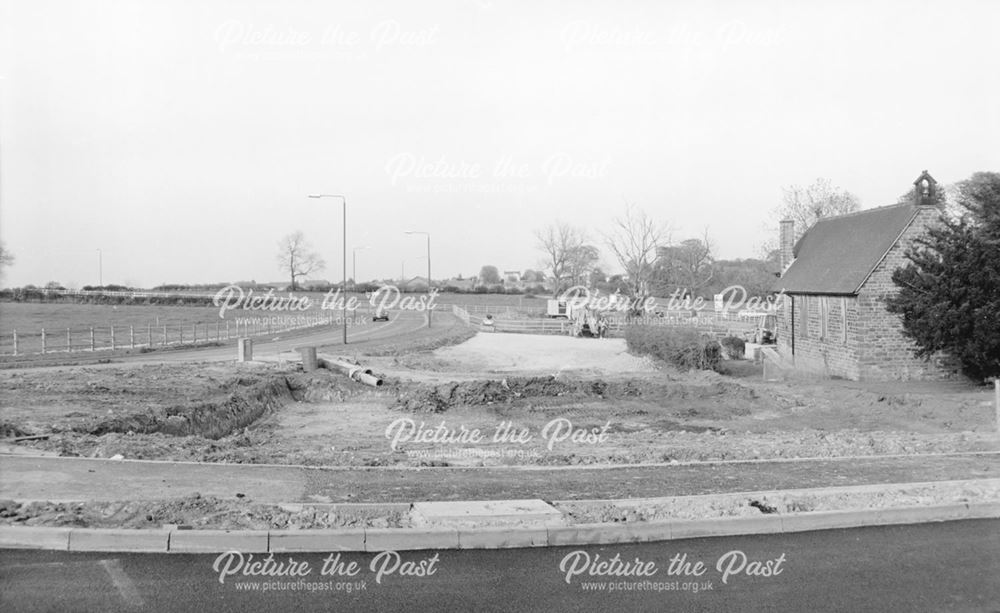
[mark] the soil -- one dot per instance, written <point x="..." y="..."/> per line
<point x="782" y="503"/>
<point x="197" y="512"/>
<point x="486" y="402"/>
<point x="496" y="400"/>
<point x="205" y="512"/>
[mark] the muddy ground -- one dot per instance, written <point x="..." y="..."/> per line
<point x="496" y="400"/>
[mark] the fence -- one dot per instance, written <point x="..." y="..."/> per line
<point x="124" y="294"/>
<point x="513" y="320"/>
<point x="115" y="337"/>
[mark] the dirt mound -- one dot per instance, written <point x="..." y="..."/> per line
<point x="441" y="397"/>
<point x="783" y="503"/>
<point x="323" y="386"/>
<point x="195" y="511"/>
<point x="252" y="399"/>
<point x="9" y="430"/>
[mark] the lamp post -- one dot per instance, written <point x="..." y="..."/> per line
<point x="354" y="264"/>
<point x="343" y="298"/>
<point x="428" y="235"/>
<point x="100" y="268"/>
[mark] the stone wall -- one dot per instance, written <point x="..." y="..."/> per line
<point x="884" y="352"/>
<point x="822" y="342"/>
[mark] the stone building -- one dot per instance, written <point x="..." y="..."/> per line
<point x="836" y="279"/>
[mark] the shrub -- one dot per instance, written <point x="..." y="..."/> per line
<point x="735" y="347"/>
<point x="685" y="348"/>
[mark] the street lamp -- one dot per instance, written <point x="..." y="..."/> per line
<point x="100" y="268"/>
<point x="343" y="303"/>
<point x="354" y="264"/>
<point x="428" y="235"/>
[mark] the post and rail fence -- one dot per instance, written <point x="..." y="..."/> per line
<point x="51" y="340"/>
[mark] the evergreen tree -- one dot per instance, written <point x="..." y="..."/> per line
<point x="949" y="291"/>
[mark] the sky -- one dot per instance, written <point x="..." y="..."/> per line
<point x="176" y="141"/>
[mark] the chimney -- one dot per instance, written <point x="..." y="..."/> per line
<point x="787" y="243"/>
<point x="925" y="190"/>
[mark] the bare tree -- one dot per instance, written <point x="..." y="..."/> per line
<point x="562" y="244"/>
<point x="688" y="265"/>
<point x="296" y="256"/>
<point x="6" y="259"/>
<point x="805" y="206"/>
<point x="582" y="261"/>
<point x="634" y="240"/>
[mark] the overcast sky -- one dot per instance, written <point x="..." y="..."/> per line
<point x="181" y="138"/>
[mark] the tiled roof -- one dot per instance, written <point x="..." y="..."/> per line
<point x="837" y="254"/>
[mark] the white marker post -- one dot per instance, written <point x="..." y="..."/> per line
<point x="996" y="393"/>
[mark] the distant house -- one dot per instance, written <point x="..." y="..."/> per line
<point x="416" y="284"/>
<point x="313" y="284"/>
<point x="511" y="278"/>
<point x="836" y="279"/>
<point x="466" y="285"/>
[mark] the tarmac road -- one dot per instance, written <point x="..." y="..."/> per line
<point x="951" y="566"/>
<point x="400" y="323"/>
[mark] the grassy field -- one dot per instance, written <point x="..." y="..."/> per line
<point x="32" y="316"/>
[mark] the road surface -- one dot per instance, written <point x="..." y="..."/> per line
<point x="952" y="566"/>
<point x="400" y="323"/>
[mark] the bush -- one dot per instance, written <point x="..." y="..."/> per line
<point x="685" y="348"/>
<point x="735" y="347"/>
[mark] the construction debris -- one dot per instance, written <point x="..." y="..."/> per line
<point x="353" y="371"/>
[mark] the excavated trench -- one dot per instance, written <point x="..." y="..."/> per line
<point x="244" y="402"/>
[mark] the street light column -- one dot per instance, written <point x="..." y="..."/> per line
<point x="354" y="265"/>
<point x="343" y="298"/>
<point x="428" y="235"/>
<point x="428" y="279"/>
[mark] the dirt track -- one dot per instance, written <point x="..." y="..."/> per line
<point x="530" y="353"/>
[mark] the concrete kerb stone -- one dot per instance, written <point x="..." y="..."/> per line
<point x="606" y="534"/>
<point x="118" y="539"/>
<point x="219" y="541"/>
<point x="316" y="540"/>
<point x="983" y="510"/>
<point x="943" y="512"/>
<point x="34" y="537"/>
<point x="494" y="537"/>
<point x="404" y="539"/>
<point x="828" y="520"/>
<point x="725" y="526"/>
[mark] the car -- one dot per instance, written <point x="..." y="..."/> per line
<point x="766" y="332"/>
<point x="381" y="314"/>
